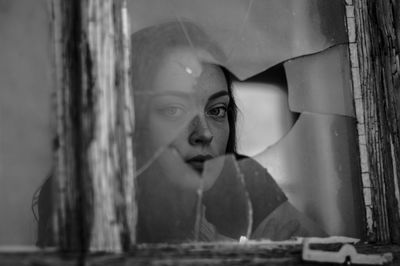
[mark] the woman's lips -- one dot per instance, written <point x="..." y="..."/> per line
<point x="197" y="162"/>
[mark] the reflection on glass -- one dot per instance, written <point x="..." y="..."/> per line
<point x="254" y="35"/>
<point x="192" y="185"/>
<point x="312" y="157"/>
<point x="316" y="164"/>
<point x="192" y="182"/>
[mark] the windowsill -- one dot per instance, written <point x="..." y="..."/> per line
<point x="251" y="253"/>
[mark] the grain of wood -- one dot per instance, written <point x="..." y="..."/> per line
<point x="377" y="35"/>
<point x="94" y="163"/>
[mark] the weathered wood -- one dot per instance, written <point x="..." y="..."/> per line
<point x="94" y="163"/>
<point x="257" y="253"/>
<point x="378" y="49"/>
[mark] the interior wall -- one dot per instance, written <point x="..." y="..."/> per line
<point x="25" y="85"/>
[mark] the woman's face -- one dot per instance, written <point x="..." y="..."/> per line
<point x="188" y="115"/>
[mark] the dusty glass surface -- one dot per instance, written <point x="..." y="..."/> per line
<point x="223" y="149"/>
<point x="253" y="34"/>
<point x="25" y="139"/>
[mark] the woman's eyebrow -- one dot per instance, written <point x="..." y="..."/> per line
<point x="217" y="95"/>
<point x="183" y="95"/>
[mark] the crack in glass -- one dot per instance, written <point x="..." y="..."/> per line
<point x="202" y="173"/>
<point x="182" y="47"/>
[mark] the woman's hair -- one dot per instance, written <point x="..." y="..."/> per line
<point x="232" y="113"/>
<point x="151" y="44"/>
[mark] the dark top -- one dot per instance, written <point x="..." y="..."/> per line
<point x="226" y="202"/>
<point x="227" y="205"/>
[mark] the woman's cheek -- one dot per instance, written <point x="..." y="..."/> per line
<point x="163" y="132"/>
<point x="220" y="136"/>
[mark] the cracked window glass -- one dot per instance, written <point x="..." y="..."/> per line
<point x="316" y="165"/>
<point x="244" y="124"/>
<point x="184" y="116"/>
<point x="234" y="132"/>
<point x="304" y="152"/>
<point x="253" y="34"/>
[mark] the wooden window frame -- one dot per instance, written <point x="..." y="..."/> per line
<point x="85" y="30"/>
<point x="374" y="44"/>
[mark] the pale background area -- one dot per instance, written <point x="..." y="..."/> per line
<point x="263" y="117"/>
<point x="25" y="84"/>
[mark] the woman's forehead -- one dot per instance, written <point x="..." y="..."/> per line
<point x="189" y="71"/>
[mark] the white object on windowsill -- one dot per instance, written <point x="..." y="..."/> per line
<point x="347" y="253"/>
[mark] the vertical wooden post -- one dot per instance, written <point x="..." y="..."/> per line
<point x="94" y="163"/>
<point x="378" y="48"/>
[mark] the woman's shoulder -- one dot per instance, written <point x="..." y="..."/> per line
<point x="257" y="178"/>
<point x="264" y="193"/>
<point x="242" y="179"/>
<point x="45" y="208"/>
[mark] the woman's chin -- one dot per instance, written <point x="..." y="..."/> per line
<point x="197" y="167"/>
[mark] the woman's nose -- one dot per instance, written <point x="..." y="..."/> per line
<point x="200" y="133"/>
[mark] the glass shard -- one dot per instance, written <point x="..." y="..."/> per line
<point x="317" y="166"/>
<point x="321" y="83"/>
<point x="227" y="202"/>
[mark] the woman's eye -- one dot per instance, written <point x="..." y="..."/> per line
<point x="172" y="111"/>
<point x="218" y="112"/>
